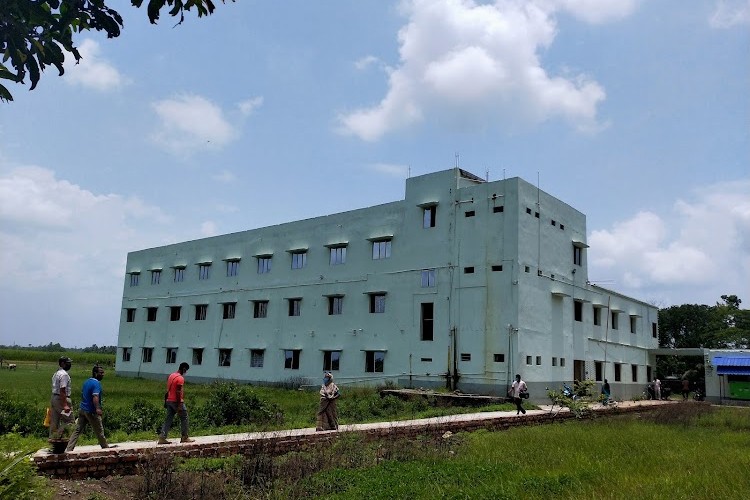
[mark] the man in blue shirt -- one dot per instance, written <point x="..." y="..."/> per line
<point x="91" y="410"/>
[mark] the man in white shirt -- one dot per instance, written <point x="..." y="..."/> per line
<point x="60" y="411"/>
<point x="657" y="389"/>
<point x="515" y="391"/>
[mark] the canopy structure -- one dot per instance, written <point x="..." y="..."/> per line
<point x="732" y="365"/>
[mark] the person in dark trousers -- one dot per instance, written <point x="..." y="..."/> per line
<point x="60" y="403"/>
<point x="685" y="389"/>
<point x="175" y="404"/>
<point x="518" y="387"/>
<point x="90" y="412"/>
<point x="606" y="392"/>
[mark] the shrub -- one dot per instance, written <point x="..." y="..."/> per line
<point x="18" y="478"/>
<point x="142" y="415"/>
<point x="20" y="417"/>
<point x="229" y="403"/>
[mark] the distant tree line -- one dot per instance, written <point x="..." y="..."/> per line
<point x="105" y="349"/>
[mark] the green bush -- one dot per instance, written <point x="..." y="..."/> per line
<point x="229" y="403"/>
<point x="18" y="477"/>
<point x="141" y="415"/>
<point x="21" y="417"/>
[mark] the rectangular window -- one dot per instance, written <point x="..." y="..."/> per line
<point x="577" y="255"/>
<point x="179" y="274"/>
<point x="553" y="222"/>
<point x="554" y="361"/>
<point x="528" y="210"/>
<point x="526" y="269"/>
<point x="536" y="214"/>
<point x="562" y="361"/>
<point x="599" y="370"/>
<point x="233" y="267"/>
<point x="499" y="358"/>
<point x="499" y="209"/>
<point x="291" y="359"/>
<point x="198" y="356"/>
<point x="597" y="316"/>
<point x="562" y="227"/>
<point x="578" y="310"/>
<point x="496" y="268"/>
<point x="331" y="360"/>
<point x="338" y="255"/>
<point x="427" y="320"/>
<point x="614" y="320"/>
<point x="204" y="271"/>
<point x="634" y="373"/>
<point x="653" y="330"/>
<point x="155" y="276"/>
<point x="147" y="353"/>
<point x="381" y="249"/>
<point x="335" y="305"/>
<point x="295" y="307"/>
<point x="230" y="308"/>
<point x="174" y="313"/>
<point x="256" y="358"/>
<point x="428" y="216"/>
<point x="529" y="360"/>
<point x="171" y="355"/>
<point x="538" y="360"/>
<point x="126" y="351"/>
<point x="633" y="324"/>
<point x="618" y="372"/>
<point x="260" y="309"/>
<point x="469" y="270"/>
<point x="428" y="278"/>
<point x="465" y="356"/>
<point x="374" y="361"/>
<point x="134" y="277"/>
<point x="225" y="357"/>
<point x="264" y="264"/>
<point x="200" y="312"/>
<point x="469" y="213"/>
<point x="377" y="302"/>
<point x="151" y="313"/>
<point x="299" y="259"/>
<point x="130" y="315"/>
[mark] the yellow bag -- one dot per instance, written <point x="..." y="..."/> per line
<point x="46" y="418"/>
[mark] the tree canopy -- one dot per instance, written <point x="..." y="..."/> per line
<point x="35" y="34"/>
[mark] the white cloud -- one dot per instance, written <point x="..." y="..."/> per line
<point x="93" y="71"/>
<point x="479" y="63"/>
<point x="393" y="170"/>
<point x="365" y="62"/>
<point x="190" y="124"/>
<point x="729" y="13"/>
<point x="208" y="229"/>
<point x="248" y="106"/>
<point x="701" y="248"/>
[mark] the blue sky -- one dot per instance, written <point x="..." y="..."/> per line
<point x="636" y="113"/>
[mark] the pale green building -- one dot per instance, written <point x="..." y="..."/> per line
<point x="463" y="283"/>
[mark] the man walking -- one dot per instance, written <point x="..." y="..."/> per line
<point x="518" y="387"/>
<point x="60" y="402"/>
<point x="175" y="403"/>
<point x="90" y="412"/>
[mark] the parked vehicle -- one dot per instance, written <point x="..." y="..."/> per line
<point x="699" y="395"/>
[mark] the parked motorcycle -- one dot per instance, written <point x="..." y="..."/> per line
<point x="698" y="395"/>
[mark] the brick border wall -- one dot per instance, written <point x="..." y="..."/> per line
<point x="100" y="463"/>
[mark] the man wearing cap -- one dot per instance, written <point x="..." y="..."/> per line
<point x="60" y="402"/>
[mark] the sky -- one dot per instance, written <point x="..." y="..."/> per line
<point x="636" y="113"/>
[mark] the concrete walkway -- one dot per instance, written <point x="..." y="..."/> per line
<point x="93" y="461"/>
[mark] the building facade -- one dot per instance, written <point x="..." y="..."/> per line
<point x="463" y="283"/>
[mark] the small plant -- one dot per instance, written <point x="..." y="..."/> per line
<point x="18" y="478"/>
<point x="233" y="404"/>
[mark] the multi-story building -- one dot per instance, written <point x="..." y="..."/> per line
<point x="463" y="283"/>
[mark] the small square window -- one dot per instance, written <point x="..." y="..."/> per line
<point x="529" y="360"/>
<point x="130" y="315"/>
<point x="264" y="264"/>
<point x="299" y="259"/>
<point x="147" y="353"/>
<point x="225" y="357"/>
<point x="331" y="360"/>
<point x="562" y="227"/>
<point x="526" y="269"/>
<point x="171" y="355"/>
<point x="201" y="310"/>
<point x="497" y="267"/>
<point x="553" y="222"/>
<point x="338" y="255"/>
<point x="230" y="309"/>
<point x="499" y="209"/>
<point x="528" y="210"/>
<point x="465" y="356"/>
<point x="256" y="358"/>
<point x="428" y="278"/>
<point x="536" y="214"/>
<point x="498" y="358"/>
<point x="377" y="303"/>
<point x="204" y="271"/>
<point x="151" y="313"/>
<point x="381" y="249"/>
<point x="126" y="351"/>
<point x="179" y="274"/>
<point x="174" y="313"/>
<point x="538" y="360"/>
<point x="469" y="270"/>
<point x="335" y="305"/>
<point x="260" y="308"/>
<point x="233" y="268"/>
<point x="198" y="356"/>
<point x="291" y="359"/>
<point x="295" y="307"/>
<point x="470" y="213"/>
<point x="374" y="361"/>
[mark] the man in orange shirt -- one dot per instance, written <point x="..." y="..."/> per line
<point x="174" y="402"/>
